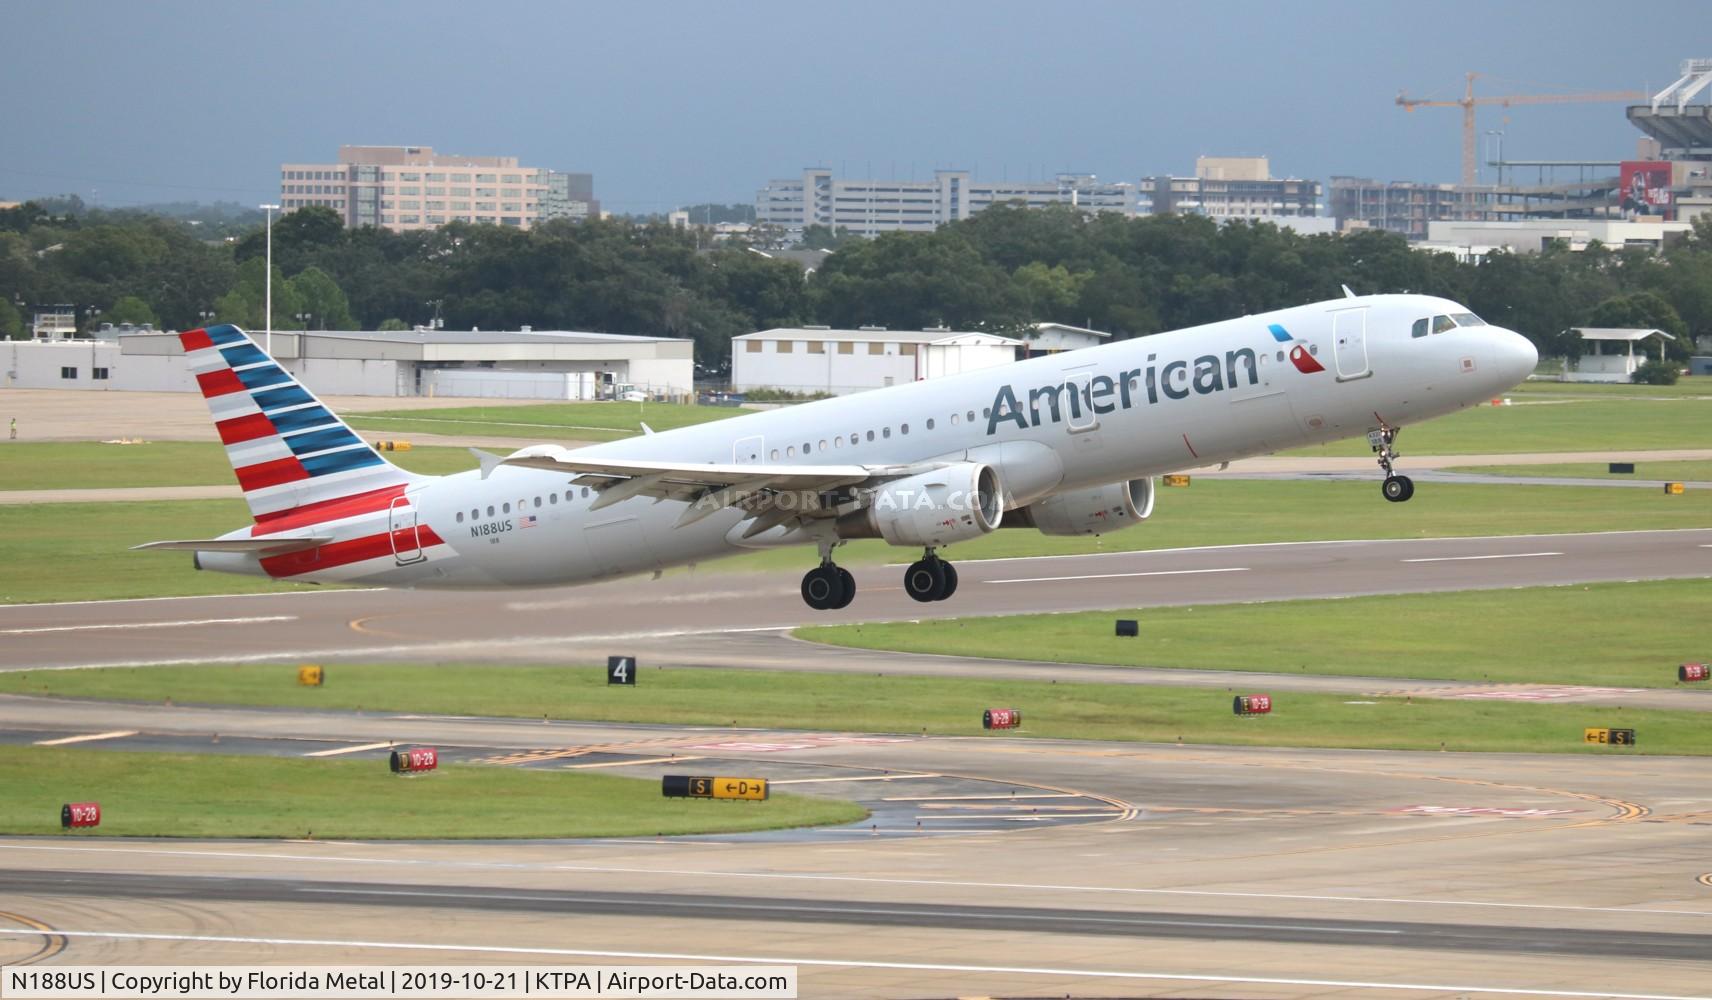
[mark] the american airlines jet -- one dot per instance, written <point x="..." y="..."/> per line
<point x="1065" y="444"/>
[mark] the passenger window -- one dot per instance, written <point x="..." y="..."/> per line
<point x="807" y="447"/>
<point x="930" y="421"/>
<point x="505" y="508"/>
<point x="838" y="442"/>
<point x="954" y="418"/>
<point x="1419" y="329"/>
<point x="986" y="413"/>
<point x="475" y="513"/>
<point x="460" y="517"/>
<point x="823" y="446"/>
<point x="585" y="492"/>
<point x="791" y="452"/>
<point x="537" y="503"/>
<point x="1280" y="357"/>
<point x="774" y="456"/>
<point x="885" y="432"/>
<point x="490" y="510"/>
<point x="971" y="416"/>
<point x="903" y="428"/>
<point x="870" y="435"/>
<point x="553" y="498"/>
<point x="1443" y="323"/>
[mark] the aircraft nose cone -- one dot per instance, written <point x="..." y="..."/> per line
<point x="1517" y="356"/>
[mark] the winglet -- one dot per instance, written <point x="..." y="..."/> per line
<point x="489" y="461"/>
<point x="646" y="430"/>
<point x="1347" y="293"/>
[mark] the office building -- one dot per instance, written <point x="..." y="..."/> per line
<point x="869" y="207"/>
<point x="405" y="188"/>
<point x="1231" y="187"/>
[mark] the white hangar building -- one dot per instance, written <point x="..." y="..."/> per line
<point x="811" y="359"/>
<point x="509" y="364"/>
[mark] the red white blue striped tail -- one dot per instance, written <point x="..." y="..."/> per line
<point x="294" y="459"/>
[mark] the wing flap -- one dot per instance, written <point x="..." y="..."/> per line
<point x="273" y="545"/>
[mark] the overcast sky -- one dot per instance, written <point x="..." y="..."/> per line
<point x="675" y="103"/>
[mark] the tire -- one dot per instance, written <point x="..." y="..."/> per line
<point x="821" y="589"/>
<point x="925" y="580"/>
<point x="849" y="589"/>
<point x="1397" y="488"/>
<point x="950" y="581"/>
<point x="1408" y="488"/>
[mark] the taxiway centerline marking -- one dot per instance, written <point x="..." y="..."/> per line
<point x="632" y="763"/>
<point x="1503" y="555"/>
<point x="865" y="777"/>
<point x="1112" y="576"/>
<point x="801" y="877"/>
<point x="855" y="964"/>
<point x="90" y="738"/>
<point x="336" y="751"/>
<point x="129" y="625"/>
<point x="961" y="798"/>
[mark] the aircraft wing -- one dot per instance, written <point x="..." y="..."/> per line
<point x="272" y="545"/>
<point x="708" y="488"/>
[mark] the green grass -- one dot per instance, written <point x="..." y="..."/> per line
<point x="891" y="704"/>
<point x="548" y="421"/>
<point x="1644" y="471"/>
<point x="68" y="552"/>
<point x="1686" y="387"/>
<point x="79" y="551"/>
<point x="203" y="795"/>
<point x="1610" y="634"/>
<point x="1535" y="424"/>
<point x="91" y="465"/>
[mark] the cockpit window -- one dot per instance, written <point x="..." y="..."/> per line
<point x="1419" y="329"/>
<point x="1468" y="319"/>
<point x="1443" y="323"/>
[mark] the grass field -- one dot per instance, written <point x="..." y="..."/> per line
<point x="91" y="465"/>
<point x="892" y="704"/>
<point x="205" y="795"/>
<point x="1537" y="424"/>
<point x="546" y="422"/>
<point x="1644" y="471"/>
<point x="1612" y="634"/>
<point x="1687" y="387"/>
<point x="66" y="552"/>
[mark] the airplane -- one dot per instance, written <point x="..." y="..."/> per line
<point x="1066" y="444"/>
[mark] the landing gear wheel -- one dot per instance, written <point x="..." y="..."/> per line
<point x="925" y="580"/>
<point x="1398" y="488"/>
<point x="823" y="588"/>
<point x="849" y="589"/>
<point x="950" y="580"/>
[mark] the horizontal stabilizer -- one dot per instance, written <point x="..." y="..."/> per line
<point x="273" y="545"/>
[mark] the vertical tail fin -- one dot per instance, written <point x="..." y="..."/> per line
<point x="289" y="451"/>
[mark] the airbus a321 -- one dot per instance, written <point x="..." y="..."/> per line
<point x="1066" y="444"/>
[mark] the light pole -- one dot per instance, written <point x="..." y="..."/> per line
<point x="267" y="322"/>
<point x="206" y="315"/>
<point x="303" y="319"/>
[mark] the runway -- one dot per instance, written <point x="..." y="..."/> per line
<point x="991" y="866"/>
<point x="1229" y="872"/>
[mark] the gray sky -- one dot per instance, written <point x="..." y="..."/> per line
<point x="674" y="103"/>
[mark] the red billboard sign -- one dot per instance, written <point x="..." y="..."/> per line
<point x="1646" y="187"/>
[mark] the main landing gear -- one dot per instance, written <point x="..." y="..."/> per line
<point x="828" y="586"/>
<point x="1397" y="488"/>
<point x="930" y="578"/>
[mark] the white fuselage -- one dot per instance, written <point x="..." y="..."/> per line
<point x="1147" y="406"/>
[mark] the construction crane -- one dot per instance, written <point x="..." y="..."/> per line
<point x="1469" y="102"/>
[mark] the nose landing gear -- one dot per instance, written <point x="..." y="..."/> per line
<point x="1396" y="488"/>
<point x="930" y="578"/>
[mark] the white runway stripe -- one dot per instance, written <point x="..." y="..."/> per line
<point x="91" y="738"/>
<point x="336" y="751"/>
<point x="131" y="625"/>
<point x="1015" y="970"/>
<point x="1114" y="576"/>
<point x="1504" y="555"/>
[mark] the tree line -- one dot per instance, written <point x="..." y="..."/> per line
<point x="1001" y="271"/>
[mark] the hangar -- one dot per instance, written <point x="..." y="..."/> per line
<point x="522" y="364"/>
<point x="820" y="359"/>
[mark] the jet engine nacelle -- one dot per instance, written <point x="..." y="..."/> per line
<point x="1098" y="511"/>
<point x="953" y="504"/>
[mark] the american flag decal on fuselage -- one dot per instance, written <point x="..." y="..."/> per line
<point x="299" y="465"/>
